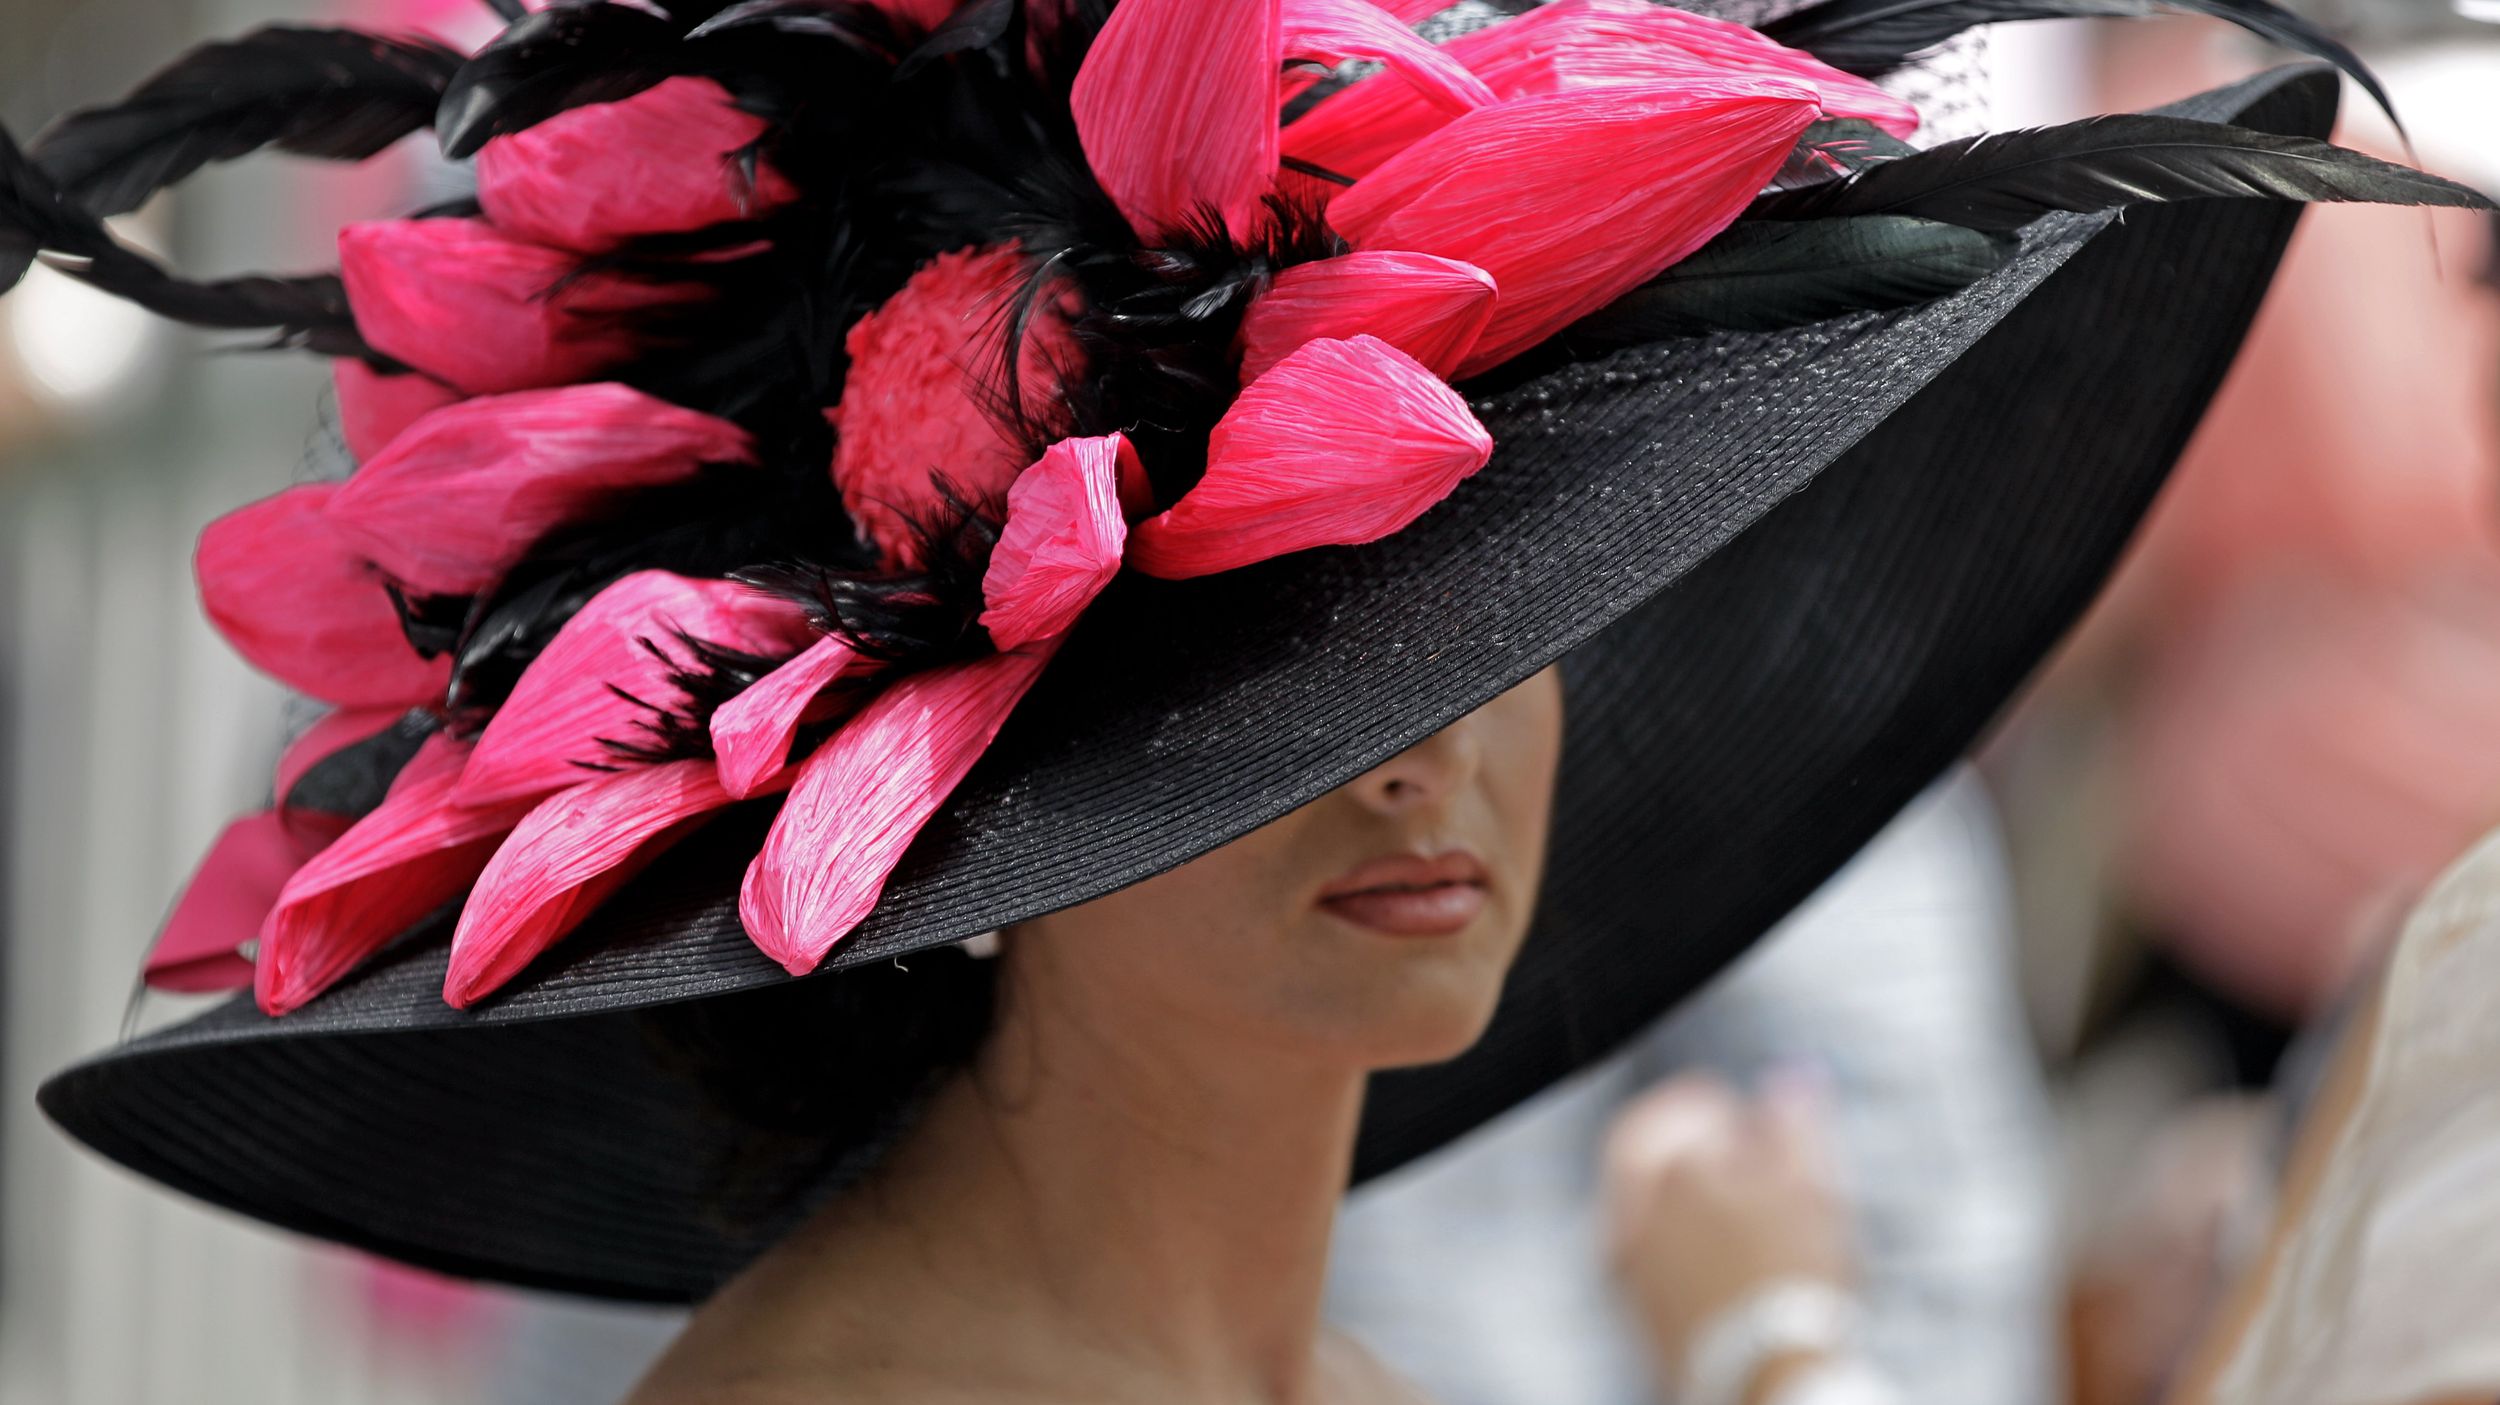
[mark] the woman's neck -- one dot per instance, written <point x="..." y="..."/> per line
<point x="1103" y="1207"/>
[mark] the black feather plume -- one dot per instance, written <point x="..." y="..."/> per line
<point x="2003" y="181"/>
<point x="332" y="93"/>
<point x="558" y="58"/>
<point x="1871" y="37"/>
<point x="1760" y="276"/>
<point x="38" y="219"/>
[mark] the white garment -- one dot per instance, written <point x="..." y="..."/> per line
<point x="1478" y="1272"/>
<point x="2388" y="1289"/>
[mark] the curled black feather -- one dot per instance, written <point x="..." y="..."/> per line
<point x="727" y="519"/>
<point x="906" y="619"/>
<point x="1872" y="37"/>
<point x="1765" y="275"/>
<point x="558" y="58"/>
<point x="38" y="218"/>
<point x="2005" y="180"/>
<point x="333" y="93"/>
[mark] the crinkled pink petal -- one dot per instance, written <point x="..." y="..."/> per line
<point x="222" y="907"/>
<point x="465" y="492"/>
<point x="1573" y="200"/>
<point x="336" y="731"/>
<point x="1060" y="544"/>
<point x="1333" y="32"/>
<point x="569" y="855"/>
<point x="864" y="795"/>
<point x="664" y="161"/>
<point x="1573" y="45"/>
<point x="1431" y="308"/>
<point x="417" y="851"/>
<point x="607" y="673"/>
<point x="751" y="733"/>
<point x="374" y="407"/>
<point x="1175" y="107"/>
<point x="304" y="608"/>
<point x="918" y="404"/>
<point x="1341" y="442"/>
<point x="917" y="16"/>
<point x="487" y="312"/>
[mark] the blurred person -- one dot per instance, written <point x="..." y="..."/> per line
<point x="1145" y="925"/>
<point x="1730" y="1235"/>
<point x="1893" y="985"/>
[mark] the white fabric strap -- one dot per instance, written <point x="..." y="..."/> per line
<point x="1783" y="1317"/>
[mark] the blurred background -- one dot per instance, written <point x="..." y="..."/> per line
<point x="2168" y="866"/>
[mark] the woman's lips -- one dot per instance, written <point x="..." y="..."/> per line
<point x="1408" y="895"/>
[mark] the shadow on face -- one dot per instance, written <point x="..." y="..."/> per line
<point x="1371" y="927"/>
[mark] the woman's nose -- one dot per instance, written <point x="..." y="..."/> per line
<point x="1426" y="774"/>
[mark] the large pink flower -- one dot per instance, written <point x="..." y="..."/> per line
<point x="303" y="606"/>
<point x="486" y="312"/>
<point x="609" y="670"/>
<point x="920" y="403"/>
<point x="663" y="161"/>
<point x="465" y="492"/>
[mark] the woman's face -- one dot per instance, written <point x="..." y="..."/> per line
<point x="1372" y="926"/>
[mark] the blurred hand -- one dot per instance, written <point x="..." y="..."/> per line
<point x="1711" y="1196"/>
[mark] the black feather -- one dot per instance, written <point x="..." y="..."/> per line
<point x="558" y="58"/>
<point x="509" y="11"/>
<point x="1764" y="275"/>
<point x="37" y="218"/>
<point x="333" y="93"/>
<point x="1871" y="37"/>
<point x="352" y="780"/>
<point x="2003" y="181"/>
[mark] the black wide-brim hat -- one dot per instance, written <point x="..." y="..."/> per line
<point x="1789" y="577"/>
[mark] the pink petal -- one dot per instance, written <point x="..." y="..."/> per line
<point x="335" y="732"/>
<point x="1574" y="45"/>
<point x="1175" y="107"/>
<point x="1060" y="544"/>
<point x="1341" y="442"/>
<point x="304" y="608"/>
<point x="664" y="161"/>
<point x="1573" y="200"/>
<point x="464" y="493"/>
<point x="487" y="312"/>
<point x="607" y="671"/>
<point x="864" y="796"/>
<point x="374" y="408"/>
<point x="1332" y="32"/>
<point x="568" y="856"/>
<point x="917" y="16"/>
<point x="222" y="907"/>
<point x="751" y="732"/>
<point x="417" y="851"/>
<point x="917" y="403"/>
<point x="1431" y="308"/>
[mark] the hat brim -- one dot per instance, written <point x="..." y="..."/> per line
<point x="1790" y="577"/>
